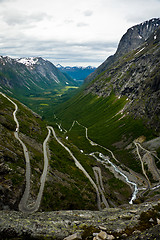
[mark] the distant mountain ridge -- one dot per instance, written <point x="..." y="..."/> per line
<point x="77" y="73"/>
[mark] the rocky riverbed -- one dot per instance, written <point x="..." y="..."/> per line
<point x="126" y="222"/>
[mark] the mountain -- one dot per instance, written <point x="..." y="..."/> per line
<point x="135" y="76"/>
<point x="28" y="75"/>
<point x="77" y="73"/>
<point x="35" y="82"/>
<point x="120" y="111"/>
<point x="132" y="39"/>
<point x="137" y="35"/>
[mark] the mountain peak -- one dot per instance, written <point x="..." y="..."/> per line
<point x="29" y="61"/>
<point x="59" y="66"/>
<point x="131" y="40"/>
<point x="137" y="35"/>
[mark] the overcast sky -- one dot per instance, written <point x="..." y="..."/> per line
<point x="69" y="32"/>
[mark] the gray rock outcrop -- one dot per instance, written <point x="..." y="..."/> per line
<point x="123" y="223"/>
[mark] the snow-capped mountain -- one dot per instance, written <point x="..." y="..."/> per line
<point x="30" y="74"/>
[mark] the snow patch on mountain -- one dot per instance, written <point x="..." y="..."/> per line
<point x="140" y="50"/>
<point x="28" y="61"/>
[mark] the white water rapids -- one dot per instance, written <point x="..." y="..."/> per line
<point x="126" y="178"/>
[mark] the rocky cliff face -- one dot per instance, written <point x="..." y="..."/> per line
<point x="136" y="36"/>
<point x="132" y="39"/>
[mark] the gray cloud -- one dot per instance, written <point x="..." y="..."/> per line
<point x="5" y="1"/>
<point x="142" y="17"/>
<point x="82" y="24"/>
<point x="88" y="13"/>
<point x="68" y="21"/>
<point x="92" y="53"/>
<point x="21" y="18"/>
<point x="141" y="10"/>
<point x="110" y="21"/>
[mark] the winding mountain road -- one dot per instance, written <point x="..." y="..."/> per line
<point x="143" y="170"/>
<point x="23" y="203"/>
<point x="154" y="167"/>
<point x="23" y="206"/>
<point x="98" y="176"/>
<point x="77" y="163"/>
<point x="151" y="154"/>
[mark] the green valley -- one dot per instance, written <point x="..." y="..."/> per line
<point x="82" y="160"/>
<point x="98" y="156"/>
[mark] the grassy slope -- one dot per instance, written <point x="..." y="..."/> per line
<point x="98" y="114"/>
<point x="107" y="127"/>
